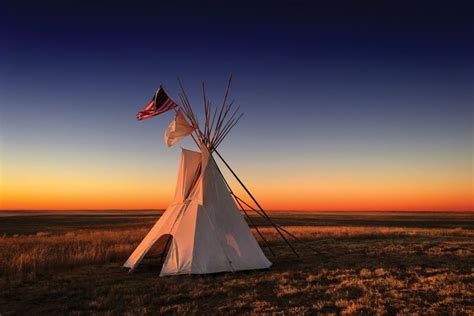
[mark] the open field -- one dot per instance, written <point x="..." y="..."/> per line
<point x="384" y="263"/>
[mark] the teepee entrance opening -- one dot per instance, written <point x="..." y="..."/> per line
<point x="161" y="247"/>
<point x="154" y="259"/>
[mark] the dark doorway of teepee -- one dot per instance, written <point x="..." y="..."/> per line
<point x="156" y="256"/>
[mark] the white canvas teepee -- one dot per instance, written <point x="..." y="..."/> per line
<point x="203" y="226"/>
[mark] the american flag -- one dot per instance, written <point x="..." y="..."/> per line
<point x="160" y="103"/>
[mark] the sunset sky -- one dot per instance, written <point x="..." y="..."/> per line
<point x="347" y="107"/>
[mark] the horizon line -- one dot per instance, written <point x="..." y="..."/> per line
<point x="267" y="210"/>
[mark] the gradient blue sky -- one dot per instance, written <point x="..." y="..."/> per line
<point x="336" y="98"/>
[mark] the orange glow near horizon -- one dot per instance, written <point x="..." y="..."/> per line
<point x="65" y="179"/>
<point x="77" y="201"/>
<point x="79" y="190"/>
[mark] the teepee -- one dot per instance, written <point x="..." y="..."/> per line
<point x="202" y="230"/>
<point x="203" y="227"/>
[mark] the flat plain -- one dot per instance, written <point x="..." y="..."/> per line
<point x="351" y="263"/>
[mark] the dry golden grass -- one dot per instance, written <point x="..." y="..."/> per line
<point x="29" y="255"/>
<point x="359" y="270"/>
<point x="309" y="232"/>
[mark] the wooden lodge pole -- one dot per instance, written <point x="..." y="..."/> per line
<point x="256" y="228"/>
<point x="245" y="212"/>
<point x="217" y="137"/>
<point x="256" y="203"/>
<point x="281" y="227"/>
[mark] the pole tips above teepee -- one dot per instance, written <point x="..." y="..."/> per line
<point x="218" y="122"/>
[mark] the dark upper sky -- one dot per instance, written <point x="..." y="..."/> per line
<point x="296" y="29"/>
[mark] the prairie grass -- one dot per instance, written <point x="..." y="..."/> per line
<point x="356" y="270"/>
<point x="32" y="254"/>
<point x="310" y="232"/>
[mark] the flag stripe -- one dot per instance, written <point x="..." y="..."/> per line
<point x="160" y="103"/>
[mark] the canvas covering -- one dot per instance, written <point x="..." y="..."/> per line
<point x="208" y="232"/>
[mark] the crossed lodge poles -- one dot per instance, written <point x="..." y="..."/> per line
<point x="217" y="126"/>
